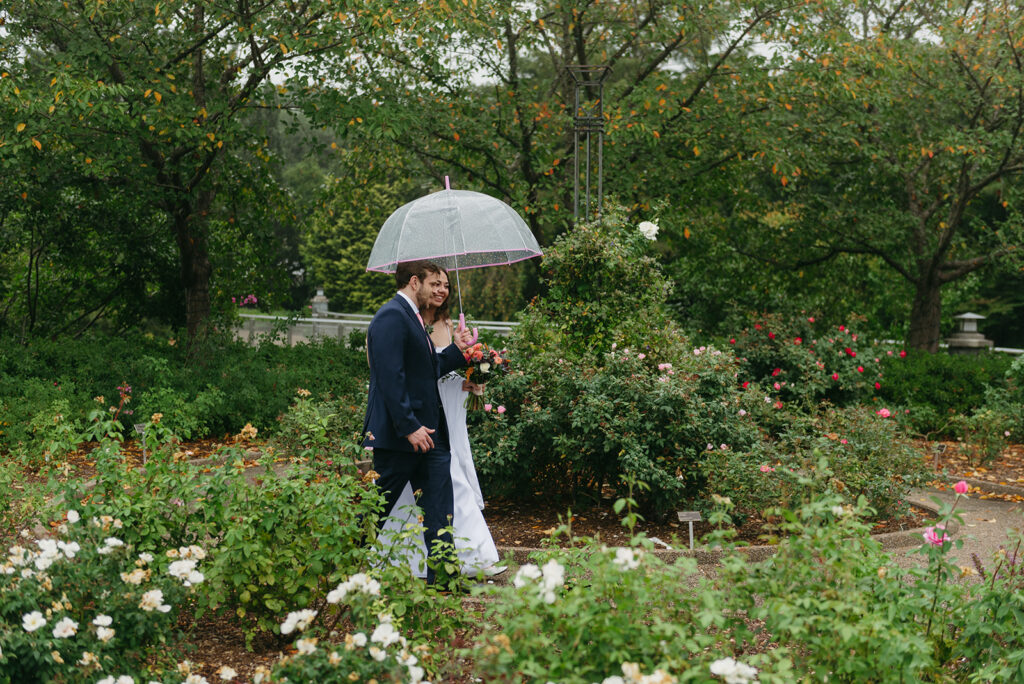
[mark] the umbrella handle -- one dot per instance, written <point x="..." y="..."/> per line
<point x="462" y="321"/>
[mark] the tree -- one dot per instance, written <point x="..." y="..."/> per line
<point x="154" y="95"/>
<point x="338" y="238"/>
<point x="492" y="106"/>
<point x="897" y="132"/>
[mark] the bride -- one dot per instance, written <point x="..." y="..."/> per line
<point x="473" y="542"/>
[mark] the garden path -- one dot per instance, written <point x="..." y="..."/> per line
<point x="986" y="528"/>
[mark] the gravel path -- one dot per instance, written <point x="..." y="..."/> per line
<point x="987" y="526"/>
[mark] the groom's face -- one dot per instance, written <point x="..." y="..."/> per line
<point x="434" y="283"/>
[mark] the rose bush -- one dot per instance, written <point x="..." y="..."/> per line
<point x="604" y="385"/>
<point x="84" y="602"/>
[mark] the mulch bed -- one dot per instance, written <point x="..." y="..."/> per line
<point x="531" y="524"/>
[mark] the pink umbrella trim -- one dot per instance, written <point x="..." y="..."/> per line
<point x="390" y="267"/>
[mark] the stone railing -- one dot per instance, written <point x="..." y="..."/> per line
<point x="327" y="325"/>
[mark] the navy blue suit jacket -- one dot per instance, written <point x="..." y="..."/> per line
<point x="403" y="377"/>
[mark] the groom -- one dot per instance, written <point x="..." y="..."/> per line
<point x="405" y="425"/>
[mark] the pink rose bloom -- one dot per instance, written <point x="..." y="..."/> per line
<point x="960" y="487"/>
<point x="501" y="409"/>
<point x="487" y="407"/>
<point x="860" y="369"/>
<point x="767" y="469"/>
<point x="811" y="319"/>
<point x="777" y="386"/>
<point x="641" y="356"/>
<point x="843" y="441"/>
<point x="936" y="536"/>
<point x="884" y="413"/>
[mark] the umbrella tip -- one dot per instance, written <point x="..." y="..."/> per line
<point x="447" y="183"/>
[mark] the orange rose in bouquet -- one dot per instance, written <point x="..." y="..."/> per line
<point x="484" y="364"/>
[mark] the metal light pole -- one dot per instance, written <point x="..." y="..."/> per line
<point x="588" y="124"/>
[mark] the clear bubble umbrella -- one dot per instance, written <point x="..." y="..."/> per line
<point x="456" y="229"/>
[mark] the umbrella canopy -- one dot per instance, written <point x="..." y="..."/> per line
<point x="456" y="229"/>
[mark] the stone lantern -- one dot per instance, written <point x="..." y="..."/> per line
<point x="320" y="303"/>
<point x="967" y="340"/>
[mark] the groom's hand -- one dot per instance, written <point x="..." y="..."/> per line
<point x="420" y="440"/>
<point x="463" y="339"/>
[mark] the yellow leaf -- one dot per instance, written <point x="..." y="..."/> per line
<point x="157" y="96"/>
<point x="334" y="145"/>
<point x="88" y="160"/>
<point x="456" y="137"/>
<point x="686" y="233"/>
<point x="39" y="145"/>
<point x="220" y="144"/>
<point x="656" y="134"/>
<point x="53" y="81"/>
<point x="211" y="136"/>
<point x="146" y="94"/>
<point x="696" y="151"/>
<point x="21" y="127"/>
<point x="785" y="181"/>
<point x="419" y="41"/>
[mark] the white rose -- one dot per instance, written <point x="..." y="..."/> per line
<point x="648" y="229"/>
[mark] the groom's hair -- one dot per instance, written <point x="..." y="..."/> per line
<point x="407" y="269"/>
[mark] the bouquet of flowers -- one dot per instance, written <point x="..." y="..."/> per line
<point x="484" y="363"/>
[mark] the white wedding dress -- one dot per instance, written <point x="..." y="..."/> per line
<point x="472" y="538"/>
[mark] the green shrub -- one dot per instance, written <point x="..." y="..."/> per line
<point x="582" y="616"/>
<point x="1006" y="401"/>
<point x="285" y="540"/>
<point x="282" y="536"/>
<point x="866" y="454"/>
<point x="938" y="387"/>
<point x="604" y="387"/>
<point x="830" y="598"/>
<point x="220" y="387"/>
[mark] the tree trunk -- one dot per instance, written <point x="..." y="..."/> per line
<point x="925" y="316"/>
<point x="193" y="248"/>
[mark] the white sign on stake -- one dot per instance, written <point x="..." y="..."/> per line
<point x="689" y="517"/>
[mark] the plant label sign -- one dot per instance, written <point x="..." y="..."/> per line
<point x="689" y="517"/>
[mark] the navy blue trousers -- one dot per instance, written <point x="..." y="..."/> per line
<point x="429" y="472"/>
